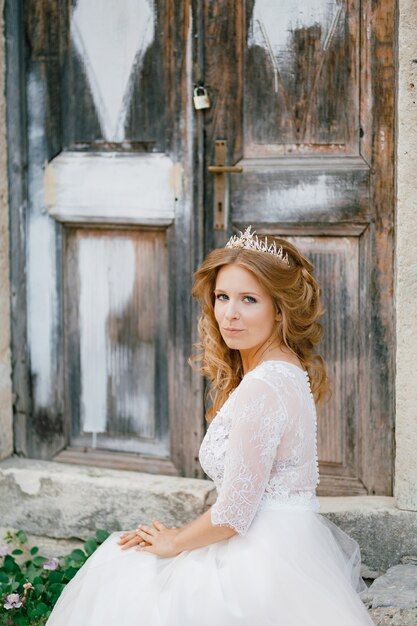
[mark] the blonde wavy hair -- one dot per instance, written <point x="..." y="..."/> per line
<point x="295" y="292"/>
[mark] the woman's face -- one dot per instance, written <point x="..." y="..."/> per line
<point x="244" y="310"/>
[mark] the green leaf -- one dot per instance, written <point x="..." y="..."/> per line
<point x="3" y="577"/>
<point x="17" y="551"/>
<point x="55" y="577"/>
<point x="41" y="608"/>
<point x="78" y="555"/>
<point x="70" y="572"/>
<point x="22" y="536"/>
<point x="90" y="546"/>
<point x="39" y="560"/>
<point x="56" y="588"/>
<point x="34" y="550"/>
<point x="9" y="564"/>
<point x="102" y="535"/>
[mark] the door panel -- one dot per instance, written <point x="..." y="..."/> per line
<point x="111" y="234"/>
<point x="337" y="262"/>
<point x="302" y="95"/>
<point x="117" y="309"/>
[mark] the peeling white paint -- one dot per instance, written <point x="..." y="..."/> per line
<point x="272" y="24"/>
<point x="41" y="261"/>
<point x="136" y="404"/>
<point x="280" y="20"/>
<point x="106" y="273"/>
<point x="111" y="38"/>
<point x="42" y="305"/>
<point x="113" y="187"/>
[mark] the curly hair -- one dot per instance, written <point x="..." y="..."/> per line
<point x="295" y="292"/>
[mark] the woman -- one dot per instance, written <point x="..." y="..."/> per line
<point x="262" y="555"/>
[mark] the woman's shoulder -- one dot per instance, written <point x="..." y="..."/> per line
<point x="273" y="375"/>
<point x="274" y="369"/>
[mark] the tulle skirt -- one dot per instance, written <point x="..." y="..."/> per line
<point x="294" y="567"/>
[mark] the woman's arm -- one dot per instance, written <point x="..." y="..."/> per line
<point x="201" y="532"/>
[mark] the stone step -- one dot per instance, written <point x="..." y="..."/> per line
<point x="60" y="505"/>
<point x="66" y="501"/>
<point x="392" y="597"/>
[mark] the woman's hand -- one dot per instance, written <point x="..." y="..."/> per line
<point x="158" y="539"/>
<point x="146" y="538"/>
<point x="131" y="538"/>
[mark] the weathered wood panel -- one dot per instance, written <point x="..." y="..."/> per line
<point x="118" y="75"/>
<point x="378" y="147"/>
<point x="117" y="308"/>
<point x="301" y="85"/>
<point x="337" y="267"/>
<point x="115" y="82"/>
<point x="302" y="190"/>
<point x="17" y="181"/>
<point x="42" y="93"/>
<point x="112" y="188"/>
<point x="311" y="97"/>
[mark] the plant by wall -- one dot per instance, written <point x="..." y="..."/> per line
<point x="30" y="584"/>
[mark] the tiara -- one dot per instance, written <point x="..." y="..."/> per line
<point x="250" y="241"/>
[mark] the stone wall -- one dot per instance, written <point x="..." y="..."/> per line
<point x="6" y="428"/>
<point x="405" y="489"/>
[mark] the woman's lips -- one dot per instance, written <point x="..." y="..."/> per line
<point x="232" y="331"/>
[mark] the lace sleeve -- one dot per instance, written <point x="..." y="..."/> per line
<point x="258" y="422"/>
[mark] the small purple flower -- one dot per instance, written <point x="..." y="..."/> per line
<point x="12" y="601"/>
<point x="4" y="550"/>
<point x="52" y="564"/>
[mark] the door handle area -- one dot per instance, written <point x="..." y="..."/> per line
<point x="221" y="184"/>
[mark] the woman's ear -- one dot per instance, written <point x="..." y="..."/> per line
<point x="278" y="316"/>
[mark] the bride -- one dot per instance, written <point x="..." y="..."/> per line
<point x="262" y="555"/>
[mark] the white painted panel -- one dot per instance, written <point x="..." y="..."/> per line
<point x="106" y="274"/>
<point x="41" y="262"/>
<point x="42" y="306"/>
<point x="113" y="188"/>
<point x="111" y="38"/>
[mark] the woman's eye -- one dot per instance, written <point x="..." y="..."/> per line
<point x="249" y="298"/>
<point x="221" y="296"/>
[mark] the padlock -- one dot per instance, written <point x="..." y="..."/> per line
<point x="201" y="99"/>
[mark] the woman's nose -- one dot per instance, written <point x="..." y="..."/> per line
<point x="231" y="311"/>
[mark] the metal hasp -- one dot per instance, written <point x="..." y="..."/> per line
<point x="221" y="184"/>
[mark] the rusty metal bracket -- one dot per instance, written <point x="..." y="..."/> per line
<point x="221" y="184"/>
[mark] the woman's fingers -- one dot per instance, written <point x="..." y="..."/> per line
<point x="127" y="536"/>
<point x="131" y="538"/>
<point x="134" y="541"/>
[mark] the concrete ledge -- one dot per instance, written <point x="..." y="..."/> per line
<point x="70" y="501"/>
<point x="65" y="501"/>
<point x="384" y="532"/>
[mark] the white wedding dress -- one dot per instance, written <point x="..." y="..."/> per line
<point x="287" y="566"/>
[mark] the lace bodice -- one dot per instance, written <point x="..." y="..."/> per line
<point x="261" y="447"/>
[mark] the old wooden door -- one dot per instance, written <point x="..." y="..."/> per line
<point x="302" y="95"/>
<point x="105" y="95"/>
<point x="121" y="207"/>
